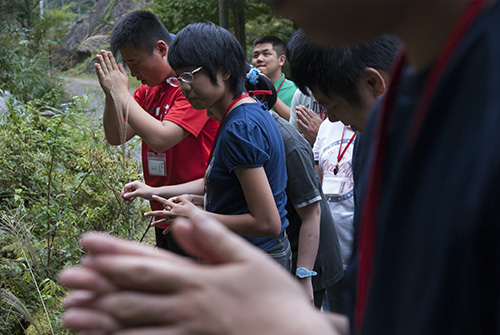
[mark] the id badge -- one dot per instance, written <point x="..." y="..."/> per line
<point x="157" y="164"/>
<point x="335" y="186"/>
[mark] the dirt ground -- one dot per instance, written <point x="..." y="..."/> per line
<point x="89" y="86"/>
<point x="86" y="86"/>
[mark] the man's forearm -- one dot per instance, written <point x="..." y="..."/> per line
<point x="308" y="235"/>
<point x="282" y="109"/>
<point x="195" y="187"/>
<point x="113" y="129"/>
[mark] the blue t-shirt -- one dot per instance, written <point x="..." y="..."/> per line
<point x="248" y="138"/>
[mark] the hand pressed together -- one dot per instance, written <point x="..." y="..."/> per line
<point x="112" y="76"/>
<point x="308" y="123"/>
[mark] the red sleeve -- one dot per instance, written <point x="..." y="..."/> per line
<point x="184" y="115"/>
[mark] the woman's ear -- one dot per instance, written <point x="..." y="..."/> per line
<point x="225" y="76"/>
<point x="373" y="80"/>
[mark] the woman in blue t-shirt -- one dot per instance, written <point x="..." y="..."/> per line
<point x="246" y="178"/>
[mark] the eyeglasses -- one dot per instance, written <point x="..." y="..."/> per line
<point x="186" y="77"/>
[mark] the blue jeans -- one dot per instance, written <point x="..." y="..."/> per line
<point x="281" y="252"/>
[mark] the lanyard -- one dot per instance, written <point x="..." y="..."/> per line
<point x="320" y="112"/>
<point x="279" y="88"/>
<point x="373" y="189"/>
<point x="316" y="106"/>
<point x="221" y="121"/>
<point x="341" y="153"/>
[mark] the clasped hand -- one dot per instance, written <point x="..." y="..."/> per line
<point x="111" y="75"/>
<point x="308" y="123"/>
<point x="127" y="288"/>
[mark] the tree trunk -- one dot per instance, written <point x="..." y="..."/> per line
<point x="223" y="14"/>
<point x="238" y="9"/>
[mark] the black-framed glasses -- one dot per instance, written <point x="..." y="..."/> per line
<point x="186" y="77"/>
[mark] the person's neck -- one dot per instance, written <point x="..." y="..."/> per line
<point x="428" y="29"/>
<point x="170" y="73"/>
<point x="220" y="107"/>
<point x="274" y="77"/>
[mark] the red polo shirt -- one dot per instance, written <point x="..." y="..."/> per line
<point x="187" y="160"/>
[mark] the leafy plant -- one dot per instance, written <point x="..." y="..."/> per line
<point x="259" y="19"/>
<point x="26" y="42"/>
<point x="59" y="179"/>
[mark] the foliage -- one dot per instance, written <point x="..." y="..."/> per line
<point x="75" y="6"/>
<point x="55" y="22"/>
<point x="38" y="29"/>
<point x="26" y="42"/>
<point x="175" y="15"/>
<point x="59" y="179"/>
<point x="23" y="79"/>
<point x="259" y="18"/>
<point x="269" y="25"/>
<point x="19" y="72"/>
<point x="56" y="163"/>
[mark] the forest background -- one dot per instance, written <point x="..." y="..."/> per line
<point x="58" y="176"/>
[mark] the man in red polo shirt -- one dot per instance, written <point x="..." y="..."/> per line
<point x="176" y="139"/>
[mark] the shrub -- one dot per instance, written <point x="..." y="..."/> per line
<point x="59" y="179"/>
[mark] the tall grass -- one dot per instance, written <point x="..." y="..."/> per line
<point x="22" y="240"/>
<point x="60" y="179"/>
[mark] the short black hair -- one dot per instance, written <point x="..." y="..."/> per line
<point x="139" y="29"/>
<point x="278" y="44"/>
<point x="336" y="70"/>
<point x="212" y="47"/>
<point x="263" y="83"/>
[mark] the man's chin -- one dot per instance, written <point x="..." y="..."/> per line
<point x="261" y="68"/>
<point x="332" y="117"/>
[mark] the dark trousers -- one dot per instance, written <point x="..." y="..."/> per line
<point x="167" y="242"/>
